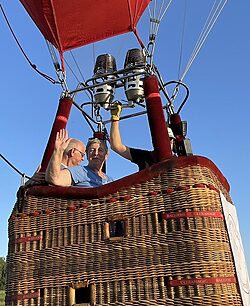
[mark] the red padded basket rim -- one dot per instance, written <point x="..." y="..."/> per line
<point x="133" y="179"/>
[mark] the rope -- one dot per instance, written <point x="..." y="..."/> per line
<point x="61" y="74"/>
<point x="13" y="167"/>
<point x="210" y="21"/>
<point x="212" y="18"/>
<point x="77" y="66"/>
<point x="47" y="77"/>
<point x="79" y="70"/>
<point x="81" y="84"/>
<point x="182" y="38"/>
<point x="53" y="56"/>
<point x="155" y="19"/>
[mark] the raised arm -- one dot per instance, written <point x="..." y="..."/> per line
<point x="54" y="175"/>
<point x="115" y="137"/>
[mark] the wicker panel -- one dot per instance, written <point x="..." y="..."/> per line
<point x="175" y="250"/>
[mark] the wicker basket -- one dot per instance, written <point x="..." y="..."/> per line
<point x="157" y="237"/>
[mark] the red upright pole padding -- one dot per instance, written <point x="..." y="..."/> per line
<point x="156" y="119"/>
<point x="60" y="122"/>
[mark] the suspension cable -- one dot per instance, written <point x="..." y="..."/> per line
<point x="47" y="77"/>
<point x="80" y="72"/>
<point x="77" y="66"/>
<point x="60" y="73"/>
<point x="80" y="84"/>
<point x="72" y="71"/>
<point x="212" y="18"/>
<point x="182" y="38"/>
<point x="155" y="19"/>
<point x="13" y="167"/>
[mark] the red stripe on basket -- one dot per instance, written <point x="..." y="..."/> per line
<point x="193" y="214"/>
<point x="168" y="190"/>
<point x="111" y="200"/>
<point x="28" y="238"/>
<point x="84" y="204"/>
<point x="125" y="198"/>
<point x="182" y="188"/>
<point x="153" y="193"/>
<point x="26" y="296"/>
<point x="188" y="187"/>
<point x="35" y="213"/>
<point x="202" y="281"/>
<point x="200" y="185"/>
<point x="71" y="207"/>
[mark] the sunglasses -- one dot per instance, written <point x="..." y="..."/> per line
<point x="82" y="154"/>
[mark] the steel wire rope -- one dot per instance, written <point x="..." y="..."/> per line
<point x="14" y="167"/>
<point x="60" y="74"/>
<point x="53" y="56"/>
<point x="93" y="58"/>
<point x="212" y="18"/>
<point x="199" y="40"/>
<point x="57" y="67"/>
<point x="71" y="70"/>
<point x="77" y="66"/>
<point x="170" y="106"/>
<point x="47" y="77"/>
<point x="208" y="25"/>
<point x="81" y="74"/>
<point x="58" y="70"/>
<point x="79" y="82"/>
<point x="155" y="19"/>
<point x="182" y="39"/>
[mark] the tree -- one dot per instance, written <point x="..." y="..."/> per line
<point x="2" y="273"/>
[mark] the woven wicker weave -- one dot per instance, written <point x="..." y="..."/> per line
<point x="173" y="250"/>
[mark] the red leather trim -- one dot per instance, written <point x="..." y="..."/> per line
<point x="193" y="214"/>
<point x="202" y="281"/>
<point x="28" y="238"/>
<point x="136" y="178"/>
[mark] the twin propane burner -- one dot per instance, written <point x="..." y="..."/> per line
<point x="107" y="78"/>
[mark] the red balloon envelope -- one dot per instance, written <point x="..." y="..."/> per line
<point x="69" y="24"/>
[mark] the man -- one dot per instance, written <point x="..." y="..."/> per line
<point x="142" y="158"/>
<point x="81" y="176"/>
<point x="72" y="156"/>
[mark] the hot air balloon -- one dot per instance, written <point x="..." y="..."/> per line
<point x="166" y="235"/>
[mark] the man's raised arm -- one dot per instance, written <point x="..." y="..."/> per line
<point x="54" y="175"/>
<point x="115" y="137"/>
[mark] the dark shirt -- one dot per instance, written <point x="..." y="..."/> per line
<point x="142" y="158"/>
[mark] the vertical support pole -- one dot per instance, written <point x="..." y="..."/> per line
<point x="156" y="119"/>
<point x="60" y="122"/>
<point x="101" y="136"/>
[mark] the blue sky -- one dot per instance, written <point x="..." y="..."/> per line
<point x="217" y="110"/>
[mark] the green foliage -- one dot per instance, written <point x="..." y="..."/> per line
<point x="2" y="273"/>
